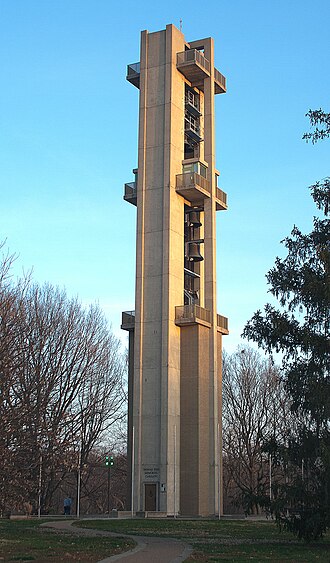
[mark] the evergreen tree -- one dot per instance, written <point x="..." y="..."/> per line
<point x="300" y="331"/>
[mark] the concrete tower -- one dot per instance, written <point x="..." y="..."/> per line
<point x="175" y="333"/>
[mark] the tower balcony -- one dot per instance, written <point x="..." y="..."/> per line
<point x="186" y="315"/>
<point x="133" y="74"/>
<point x="130" y="193"/>
<point x="221" y="200"/>
<point x="222" y="324"/>
<point x="193" y="187"/>
<point x="128" y="320"/>
<point x="219" y="82"/>
<point x="194" y="66"/>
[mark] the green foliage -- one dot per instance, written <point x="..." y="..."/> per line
<point x="299" y="330"/>
<point x="318" y="117"/>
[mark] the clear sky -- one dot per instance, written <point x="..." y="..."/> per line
<point x="68" y="138"/>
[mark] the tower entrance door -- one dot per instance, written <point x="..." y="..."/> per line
<point x="150" y="496"/>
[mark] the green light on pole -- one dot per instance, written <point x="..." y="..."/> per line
<point x="111" y="460"/>
<point x="107" y="462"/>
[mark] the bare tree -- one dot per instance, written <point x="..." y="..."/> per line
<point x="10" y="293"/>
<point x="255" y="411"/>
<point x="60" y="389"/>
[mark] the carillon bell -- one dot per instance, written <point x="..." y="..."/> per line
<point x="194" y="254"/>
<point x="194" y="220"/>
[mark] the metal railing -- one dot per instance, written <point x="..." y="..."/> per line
<point x="190" y="314"/>
<point x="193" y="56"/>
<point x="192" y="129"/>
<point x="218" y="77"/>
<point x="222" y="322"/>
<point x="190" y="179"/>
<point x="222" y="196"/>
<point x="191" y="124"/>
<point x="192" y="100"/>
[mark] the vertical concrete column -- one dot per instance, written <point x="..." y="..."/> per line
<point x="210" y="273"/>
<point x="172" y="284"/>
<point x="130" y="416"/>
<point x="139" y="284"/>
<point x="219" y="453"/>
<point x="153" y="237"/>
<point x="159" y="276"/>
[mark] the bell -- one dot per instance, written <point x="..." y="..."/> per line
<point x="193" y="252"/>
<point x="193" y="219"/>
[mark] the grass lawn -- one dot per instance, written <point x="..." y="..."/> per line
<point x="225" y="540"/>
<point x="24" y="540"/>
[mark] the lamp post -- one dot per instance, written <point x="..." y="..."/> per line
<point x="270" y="477"/>
<point x="219" y="471"/>
<point x="109" y="490"/>
<point x="132" y="472"/>
<point x="42" y="451"/>
<point x="40" y="484"/>
<point x="109" y="462"/>
<point x="79" y="481"/>
<point x="174" y="471"/>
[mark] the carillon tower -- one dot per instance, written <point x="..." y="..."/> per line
<point x="175" y="332"/>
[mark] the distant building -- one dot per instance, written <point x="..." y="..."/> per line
<point x="175" y="333"/>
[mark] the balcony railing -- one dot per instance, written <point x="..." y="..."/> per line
<point x="130" y="194"/>
<point x="221" y="198"/>
<point x="193" y="187"/>
<point x="219" y="82"/>
<point x="192" y="179"/>
<point x="193" y="56"/>
<point x="128" y="320"/>
<point x="192" y="314"/>
<point x="222" y="324"/>
<point x="194" y="66"/>
<point x="133" y="74"/>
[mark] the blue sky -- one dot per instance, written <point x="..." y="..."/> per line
<point x="68" y="138"/>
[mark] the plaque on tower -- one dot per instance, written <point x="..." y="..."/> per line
<point x="151" y="474"/>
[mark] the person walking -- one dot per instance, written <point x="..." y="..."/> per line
<point x="67" y="506"/>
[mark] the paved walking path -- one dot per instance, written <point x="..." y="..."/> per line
<point x="148" y="549"/>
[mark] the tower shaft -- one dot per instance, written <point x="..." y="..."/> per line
<point x="175" y="333"/>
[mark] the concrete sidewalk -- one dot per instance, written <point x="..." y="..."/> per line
<point x="148" y="549"/>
